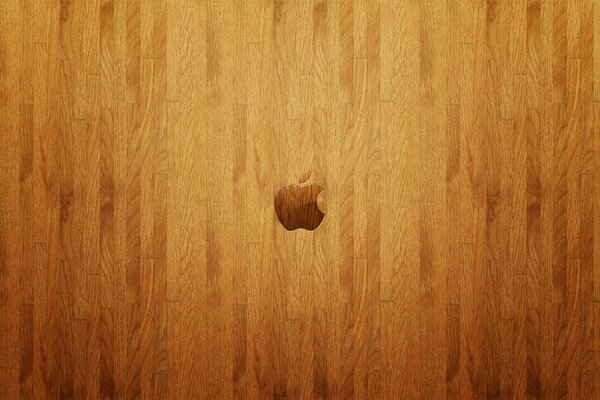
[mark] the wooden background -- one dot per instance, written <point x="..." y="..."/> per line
<point x="142" y="143"/>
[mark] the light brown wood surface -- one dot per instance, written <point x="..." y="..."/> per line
<point x="141" y="146"/>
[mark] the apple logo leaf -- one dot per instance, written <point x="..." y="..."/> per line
<point x="305" y="177"/>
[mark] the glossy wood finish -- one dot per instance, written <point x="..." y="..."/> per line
<point x="142" y="143"/>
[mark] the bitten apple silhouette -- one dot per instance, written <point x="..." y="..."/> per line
<point x="296" y="205"/>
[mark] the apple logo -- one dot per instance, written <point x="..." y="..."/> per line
<point x="296" y="205"/>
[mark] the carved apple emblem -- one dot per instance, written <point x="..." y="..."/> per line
<point x="296" y="205"/>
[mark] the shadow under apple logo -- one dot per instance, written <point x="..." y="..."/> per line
<point x="296" y="205"/>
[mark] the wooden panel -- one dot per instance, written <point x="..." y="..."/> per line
<point x="453" y="252"/>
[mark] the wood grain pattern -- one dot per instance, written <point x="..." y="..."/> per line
<point x="142" y="146"/>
